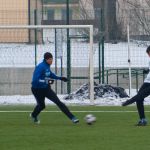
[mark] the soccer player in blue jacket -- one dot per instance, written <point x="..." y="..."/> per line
<point x="42" y="78"/>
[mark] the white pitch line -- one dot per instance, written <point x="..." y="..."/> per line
<point x="82" y="111"/>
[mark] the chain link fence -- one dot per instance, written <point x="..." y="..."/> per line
<point x="110" y="38"/>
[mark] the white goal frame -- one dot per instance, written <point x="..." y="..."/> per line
<point x="91" y="53"/>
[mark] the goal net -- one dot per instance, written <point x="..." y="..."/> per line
<point x="22" y="48"/>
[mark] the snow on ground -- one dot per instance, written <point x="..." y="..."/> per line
<point x="100" y="91"/>
<point x="30" y="100"/>
<point x="116" y="55"/>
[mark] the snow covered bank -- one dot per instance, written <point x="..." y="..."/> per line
<point x="29" y="100"/>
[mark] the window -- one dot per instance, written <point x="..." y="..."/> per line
<point x="64" y="14"/>
<point x="97" y="13"/>
<point x="50" y="14"/>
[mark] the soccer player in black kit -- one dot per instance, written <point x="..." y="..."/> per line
<point x="42" y="78"/>
<point x="143" y="92"/>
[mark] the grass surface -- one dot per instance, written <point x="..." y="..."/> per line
<point x="112" y="131"/>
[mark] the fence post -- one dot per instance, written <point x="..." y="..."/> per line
<point x="35" y="35"/>
<point x="99" y="47"/>
<point x="68" y="66"/>
<point x="102" y="41"/>
<point x="136" y="81"/>
<point x="129" y="60"/>
<point x="103" y="69"/>
<point x="68" y="50"/>
<point x="107" y="76"/>
<point x="56" y="59"/>
<point x="117" y="77"/>
<point x="29" y="19"/>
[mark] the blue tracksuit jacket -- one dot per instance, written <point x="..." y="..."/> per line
<point x="41" y="74"/>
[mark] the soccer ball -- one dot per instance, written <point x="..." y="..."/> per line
<point x="90" y="119"/>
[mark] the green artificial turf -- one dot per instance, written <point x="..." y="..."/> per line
<point x="112" y="130"/>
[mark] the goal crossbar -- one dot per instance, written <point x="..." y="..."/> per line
<point x="45" y="26"/>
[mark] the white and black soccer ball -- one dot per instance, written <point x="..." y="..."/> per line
<point x="90" y="119"/>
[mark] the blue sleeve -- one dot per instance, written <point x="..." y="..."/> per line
<point x="54" y="76"/>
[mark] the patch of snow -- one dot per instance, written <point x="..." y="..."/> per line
<point x="116" y="55"/>
<point x="100" y="91"/>
<point x="30" y="100"/>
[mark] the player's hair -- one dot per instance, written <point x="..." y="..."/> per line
<point x="48" y="55"/>
<point x="148" y="49"/>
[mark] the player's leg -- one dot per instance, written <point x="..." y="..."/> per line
<point x="39" y="95"/>
<point x="139" y="99"/>
<point x="53" y="97"/>
<point x="140" y="108"/>
<point x="142" y="93"/>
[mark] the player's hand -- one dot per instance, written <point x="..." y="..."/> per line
<point x="64" y="79"/>
<point x="145" y="71"/>
<point x="51" y="81"/>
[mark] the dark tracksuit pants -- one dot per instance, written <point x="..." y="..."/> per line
<point x="143" y="92"/>
<point x="40" y="94"/>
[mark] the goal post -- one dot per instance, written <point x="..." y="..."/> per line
<point x="6" y="30"/>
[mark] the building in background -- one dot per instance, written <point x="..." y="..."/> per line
<point x="19" y="12"/>
<point x="13" y="12"/>
<point x="55" y="10"/>
<point x="51" y="12"/>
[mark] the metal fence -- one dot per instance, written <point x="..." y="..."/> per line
<point x="110" y="38"/>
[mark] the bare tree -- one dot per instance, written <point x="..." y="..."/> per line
<point x="86" y="7"/>
<point x="140" y="14"/>
<point x="87" y="13"/>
